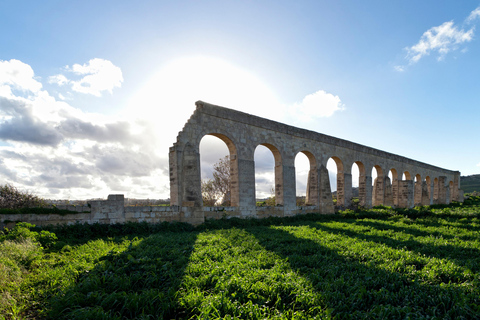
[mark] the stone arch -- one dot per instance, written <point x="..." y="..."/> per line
<point x="344" y="193"/>
<point x="364" y="186"/>
<point x="279" y="178"/>
<point x="312" y="194"/>
<point x="406" y="175"/>
<point x="232" y="153"/>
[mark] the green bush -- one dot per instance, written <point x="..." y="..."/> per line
<point x="22" y="231"/>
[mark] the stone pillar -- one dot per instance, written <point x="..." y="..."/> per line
<point x="365" y="191"/>
<point x="378" y="191"/>
<point x="425" y="194"/>
<point x="175" y="157"/>
<point x="234" y="187"/>
<point x="289" y="194"/>
<point x="405" y="194"/>
<point x="362" y="190"/>
<point x="340" y="189"/>
<point x="185" y="179"/>
<point x="436" y="191"/>
<point x="246" y="183"/>
<point x="431" y="191"/>
<point x="347" y="178"/>
<point x="326" y="200"/>
<point x="442" y="190"/>
<point x="388" y="197"/>
<point x="278" y="184"/>
<point x="313" y="192"/>
<point x="418" y="193"/>
<point x="447" y="194"/>
<point x="394" y="192"/>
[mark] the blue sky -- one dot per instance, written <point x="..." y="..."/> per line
<point x="93" y="93"/>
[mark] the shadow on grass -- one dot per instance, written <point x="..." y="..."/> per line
<point x="360" y="289"/>
<point x="458" y="255"/>
<point x="139" y="282"/>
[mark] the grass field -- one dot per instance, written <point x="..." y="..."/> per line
<point x="418" y="263"/>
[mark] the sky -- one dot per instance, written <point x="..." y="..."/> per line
<point x="93" y="93"/>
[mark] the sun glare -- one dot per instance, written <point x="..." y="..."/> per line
<point x="168" y="97"/>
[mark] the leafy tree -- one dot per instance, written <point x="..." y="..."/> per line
<point x="218" y="189"/>
<point x="12" y="198"/>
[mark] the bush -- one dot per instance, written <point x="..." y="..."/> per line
<point x="22" y="231"/>
<point x="12" y="198"/>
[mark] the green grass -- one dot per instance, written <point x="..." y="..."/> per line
<point x="421" y="263"/>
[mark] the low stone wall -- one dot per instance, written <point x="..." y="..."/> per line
<point x="113" y="210"/>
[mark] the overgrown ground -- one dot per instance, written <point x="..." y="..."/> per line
<point x="381" y="263"/>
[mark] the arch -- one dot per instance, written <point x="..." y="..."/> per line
<point x="232" y="196"/>
<point x="406" y="176"/>
<point x="343" y="184"/>
<point x="312" y="196"/>
<point x="364" y="186"/>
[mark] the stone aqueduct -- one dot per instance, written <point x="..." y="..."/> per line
<point x="424" y="184"/>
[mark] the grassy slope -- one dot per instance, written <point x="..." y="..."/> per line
<point x="376" y="264"/>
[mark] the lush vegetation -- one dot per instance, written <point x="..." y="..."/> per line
<point x="381" y="263"/>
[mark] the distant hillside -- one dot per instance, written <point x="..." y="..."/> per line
<point x="470" y="183"/>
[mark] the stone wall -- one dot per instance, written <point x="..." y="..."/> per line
<point x="113" y="210"/>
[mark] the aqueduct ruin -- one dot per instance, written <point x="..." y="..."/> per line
<point x="412" y="183"/>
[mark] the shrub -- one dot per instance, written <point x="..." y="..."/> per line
<point x="12" y="198"/>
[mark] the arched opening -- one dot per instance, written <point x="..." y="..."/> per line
<point x="406" y="176"/>
<point x="378" y="191"/>
<point x="218" y="171"/>
<point x="306" y="176"/>
<point x="435" y="190"/>
<point x="268" y="181"/>
<point x="337" y="182"/>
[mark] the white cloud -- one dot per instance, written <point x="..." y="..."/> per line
<point x="474" y="15"/>
<point x="441" y="39"/>
<point x="399" y="68"/>
<point x="99" y="75"/>
<point x="15" y="74"/>
<point x="316" y="105"/>
<point x="58" y="79"/>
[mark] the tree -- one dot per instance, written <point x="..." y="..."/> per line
<point x="12" y="198"/>
<point x="218" y="189"/>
